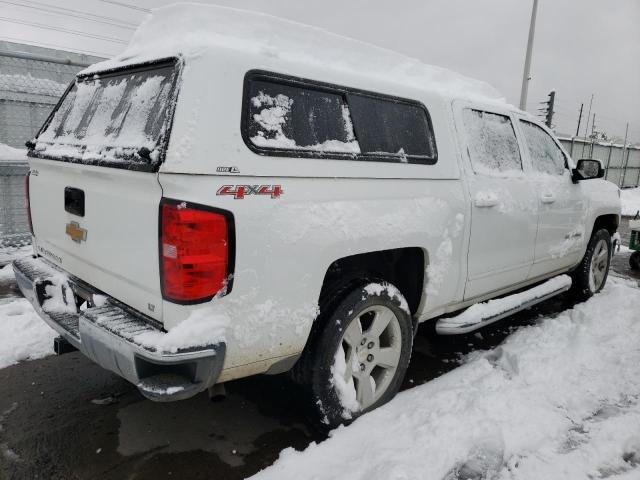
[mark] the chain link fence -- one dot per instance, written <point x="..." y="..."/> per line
<point x="14" y="227"/>
<point x="621" y="162"/>
<point x="32" y="79"/>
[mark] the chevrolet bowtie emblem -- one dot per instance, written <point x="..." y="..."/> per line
<point x="76" y="233"/>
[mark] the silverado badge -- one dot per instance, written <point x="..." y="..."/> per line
<point x="76" y="233"/>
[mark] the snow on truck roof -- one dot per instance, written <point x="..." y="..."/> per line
<point x="188" y="29"/>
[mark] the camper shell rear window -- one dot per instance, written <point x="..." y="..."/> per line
<point x="294" y="117"/>
<point x="119" y="118"/>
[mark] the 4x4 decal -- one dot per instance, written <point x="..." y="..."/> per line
<point x="240" y="191"/>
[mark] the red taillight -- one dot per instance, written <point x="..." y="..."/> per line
<point x="194" y="252"/>
<point x="28" y="202"/>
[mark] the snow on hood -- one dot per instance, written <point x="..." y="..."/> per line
<point x="188" y="29"/>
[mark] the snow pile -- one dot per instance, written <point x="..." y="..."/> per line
<point x="482" y="311"/>
<point x="160" y="390"/>
<point x="9" y="254"/>
<point x="203" y="327"/>
<point x="272" y="118"/>
<point x="486" y="198"/>
<point x="335" y="146"/>
<point x="6" y="274"/>
<point x="630" y="199"/>
<point x="390" y="290"/>
<point x="189" y="29"/>
<point x="560" y="399"/>
<point x="274" y="113"/>
<point x="572" y="242"/>
<point x="345" y="389"/>
<point x="24" y="336"/>
<point x="438" y="267"/>
<point x="28" y="84"/>
<point x="60" y="298"/>
<point x="11" y="154"/>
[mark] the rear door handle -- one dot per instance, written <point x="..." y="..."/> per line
<point x="548" y="198"/>
<point x="486" y="199"/>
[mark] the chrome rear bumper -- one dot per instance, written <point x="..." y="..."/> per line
<point x="107" y="335"/>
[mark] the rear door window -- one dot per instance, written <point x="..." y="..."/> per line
<point x="116" y="119"/>
<point x="492" y="144"/>
<point x="545" y="154"/>
<point x="293" y="117"/>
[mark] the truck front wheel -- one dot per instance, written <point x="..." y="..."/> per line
<point x="591" y="275"/>
<point x="360" y="355"/>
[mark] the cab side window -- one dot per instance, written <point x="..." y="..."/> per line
<point x="545" y="154"/>
<point x="492" y="144"/>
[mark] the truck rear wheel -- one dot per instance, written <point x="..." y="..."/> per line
<point x="591" y="275"/>
<point x="360" y="354"/>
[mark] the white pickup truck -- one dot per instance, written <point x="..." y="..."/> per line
<point x="238" y="194"/>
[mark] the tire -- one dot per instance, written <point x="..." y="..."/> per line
<point x="371" y="321"/>
<point x="634" y="260"/>
<point x="591" y="275"/>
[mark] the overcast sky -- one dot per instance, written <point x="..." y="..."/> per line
<point x="582" y="47"/>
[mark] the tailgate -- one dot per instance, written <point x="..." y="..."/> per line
<point x="114" y="245"/>
<point x="94" y="191"/>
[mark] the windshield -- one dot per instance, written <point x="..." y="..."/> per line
<point x="117" y="119"/>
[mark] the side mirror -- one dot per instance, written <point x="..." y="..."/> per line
<point x="587" y="168"/>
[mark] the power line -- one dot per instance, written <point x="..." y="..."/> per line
<point x="127" y="5"/>
<point x="74" y="13"/>
<point x="9" y="38"/>
<point x="63" y="30"/>
<point x="105" y="17"/>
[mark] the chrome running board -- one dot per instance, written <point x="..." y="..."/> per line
<point x="474" y="318"/>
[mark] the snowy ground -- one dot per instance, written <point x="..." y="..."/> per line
<point x="24" y="335"/>
<point x="9" y="254"/>
<point x="560" y="399"/>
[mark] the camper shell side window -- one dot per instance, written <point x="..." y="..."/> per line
<point x="293" y="117"/>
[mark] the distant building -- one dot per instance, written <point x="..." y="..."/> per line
<point x="32" y="79"/>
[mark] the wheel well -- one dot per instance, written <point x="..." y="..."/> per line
<point x="609" y="222"/>
<point x="403" y="267"/>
